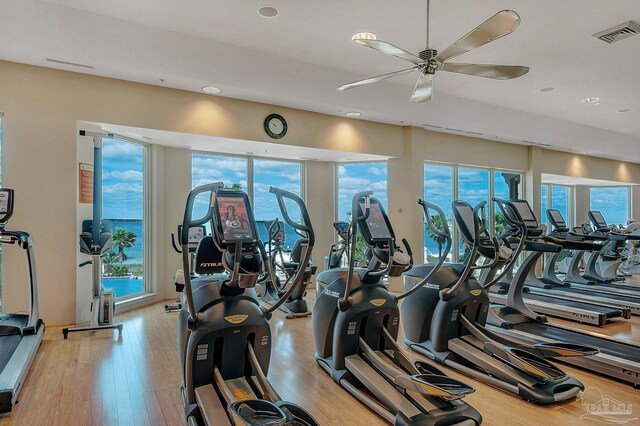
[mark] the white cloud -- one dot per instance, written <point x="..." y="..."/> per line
<point x="118" y="149"/>
<point x="342" y="171"/>
<point x="377" y="170"/>
<point x="128" y="175"/>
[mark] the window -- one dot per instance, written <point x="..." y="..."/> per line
<point x="555" y="197"/>
<point x="444" y="183"/>
<point x="438" y="189"/>
<point x="233" y="171"/>
<point x="283" y="174"/>
<point x="123" y="203"/>
<point x="356" y="177"/>
<point x="613" y="202"/>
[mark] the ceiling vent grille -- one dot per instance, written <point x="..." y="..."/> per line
<point x="619" y="32"/>
<point x="72" y="64"/>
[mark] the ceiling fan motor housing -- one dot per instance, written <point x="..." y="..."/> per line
<point x="427" y="54"/>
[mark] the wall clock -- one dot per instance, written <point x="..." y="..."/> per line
<point x="275" y="125"/>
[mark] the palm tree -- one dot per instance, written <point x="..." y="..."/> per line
<point x="123" y="239"/>
<point x="438" y="239"/>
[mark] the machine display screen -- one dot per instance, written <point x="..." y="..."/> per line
<point x="235" y="220"/>
<point x="196" y="233"/>
<point x="556" y="217"/>
<point x="599" y="219"/>
<point x="466" y="214"/>
<point x="341" y="226"/>
<point x="527" y="215"/>
<point x="376" y="222"/>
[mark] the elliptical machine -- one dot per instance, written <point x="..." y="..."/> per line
<point x="271" y="288"/>
<point x="337" y="251"/>
<point x="224" y="336"/>
<point x="96" y="241"/>
<point x="355" y="326"/>
<point x="445" y="320"/>
<point x="195" y="235"/>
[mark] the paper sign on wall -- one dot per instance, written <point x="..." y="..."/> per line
<point x="86" y="183"/>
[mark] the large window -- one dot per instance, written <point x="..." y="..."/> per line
<point x="556" y="197"/>
<point x="613" y="202"/>
<point x="356" y="177"/>
<point x="285" y="175"/>
<point x="235" y="172"/>
<point x="123" y="187"/>
<point x="444" y="183"/>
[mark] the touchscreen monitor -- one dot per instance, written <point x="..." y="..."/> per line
<point x="599" y="219"/>
<point x="556" y="217"/>
<point x="376" y="223"/>
<point x="235" y="219"/>
<point x="526" y="214"/>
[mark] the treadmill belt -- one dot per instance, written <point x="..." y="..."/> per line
<point x="547" y="298"/>
<point x="8" y="345"/>
<point x="608" y="347"/>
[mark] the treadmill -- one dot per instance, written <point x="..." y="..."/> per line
<point x="540" y="298"/>
<point x="20" y="334"/>
<point x="619" y="359"/>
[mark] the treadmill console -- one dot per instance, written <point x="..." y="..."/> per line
<point x="376" y="228"/>
<point x="556" y="218"/>
<point x="598" y="220"/>
<point x="233" y="218"/>
<point x="6" y="205"/>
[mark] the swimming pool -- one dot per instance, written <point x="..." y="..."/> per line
<point x="123" y="286"/>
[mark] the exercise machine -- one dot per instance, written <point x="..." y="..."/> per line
<point x="616" y="358"/>
<point x="20" y="334"/>
<point x="270" y="285"/>
<point x="224" y="338"/>
<point x="541" y="297"/>
<point x="355" y="326"/>
<point x="445" y="320"/>
<point x="338" y="250"/>
<point x="610" y="260"/>
<point x="195" y="235"/>
<point x="96" y="241"/>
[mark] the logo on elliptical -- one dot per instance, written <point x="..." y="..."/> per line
<point x="377" y="302"/>
<point x="433" y="286"/>
<point x="210" y="264"/>
<point x="476" y="292"/>
<point x="236" y="319"/>
<point x="583" y="316"/>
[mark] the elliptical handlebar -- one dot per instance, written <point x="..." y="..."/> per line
<point x="343" y="303"/>
<point x="187" y="223"/>
<point x="305" y="227"/>
<point x="426" y="206"/>
<point x="307" y="246"/>
<point x="478" y="227"/>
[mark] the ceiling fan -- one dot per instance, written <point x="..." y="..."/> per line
<point x="429" y="60"/>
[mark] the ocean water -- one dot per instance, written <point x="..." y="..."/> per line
<point x="290" y="236"/>
<point x="123" y="286"/>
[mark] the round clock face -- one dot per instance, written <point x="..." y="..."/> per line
<point x="275" y="125"/>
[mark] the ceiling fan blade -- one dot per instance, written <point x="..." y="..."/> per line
<point x="424" y="88"/>
<point x="389" y="49"/>
<point x="499" y="25"/>
<point x="499" y="72"/>
<point x="374" y="79"/>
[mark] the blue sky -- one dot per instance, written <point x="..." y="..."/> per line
<point x="353" y="178"/>
<point x="122" y="180"/>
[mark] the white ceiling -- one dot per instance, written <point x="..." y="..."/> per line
<point x="234" y="146"/>
<point x="570" y="180"/>
<point x="298" y="59"/>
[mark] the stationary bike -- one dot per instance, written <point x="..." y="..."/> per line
<point x="224" y="336"/>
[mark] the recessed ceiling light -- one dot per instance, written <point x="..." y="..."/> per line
<point x="624" y="110"/>
<point x="360" y="36"/>
<point x="268" y="12"/>
<point x="591" y="101"/>
<point x="353" y="114"/>
<point x="547" y="89"/>
<point x="211" y="90"/>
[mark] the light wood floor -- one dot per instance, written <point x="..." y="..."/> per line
<point x="101" y="379"/>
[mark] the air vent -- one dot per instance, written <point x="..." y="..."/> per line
<point x="73" y="64"/>
<point x="535" y="143"/>
<point x="474" y="133"/>
<point x="454" y="130"/>
<point x="618" y="32"/>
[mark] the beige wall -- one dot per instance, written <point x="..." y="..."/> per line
<point x="40" y="152"/>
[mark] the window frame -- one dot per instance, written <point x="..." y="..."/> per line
<point x="571" y="202"/>
<point x="455" y="246"/>
<point x="147" y="194"/>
